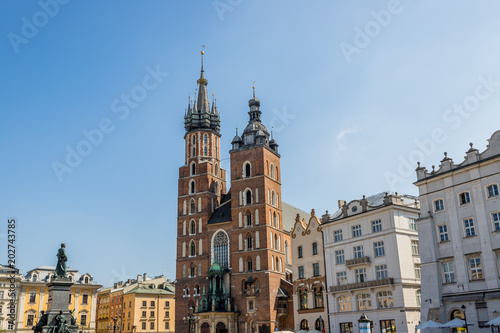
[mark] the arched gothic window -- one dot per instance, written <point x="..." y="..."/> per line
<point x="205" y="139"/>
<point x="192" y="227"/>
<point x="249" y="218"/>
<point x="249" y="265"/>
<point x="216" y="170"/>
<point x="248" y="197"/>
<point x="272" y="171"/>
<point x="192" y="206"/>
<point x="273" y="198"/>
<point x="192" y="248"/>
<point x="274" y="220"/>
<point x="249" y="242"/>
<point x="193" y="169"/>
<point x="192" y="187"/>
<point x="248" y="170"/>
<point x="221" y="248"/>
<point x="205" y="151"/>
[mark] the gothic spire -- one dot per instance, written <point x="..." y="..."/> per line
<point x="202" y="104"/>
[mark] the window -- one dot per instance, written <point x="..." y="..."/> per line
<point x="32" y="296"/>
<point x="143" y="314"/>
<point x="193" y="169"/>
<point x="192" y="249"/>
<point x="315" y="248"/>
<point x="418" y="295"/>
<point x="496" y="221"/>
<point x="384" y="299"/>
<point x="376" y="226"/>
<point x="418" y="272"/>
<point x="192" y="187"/>
<point x="248" y="197"/>
<point x="192" y="207"/>
<point x="192" y="227"/>
<point x="143" y="326"/>
<point x="344" y="303"/>
<point x="464" y="198"/>
<point x="152" y="325"/>
<point x="205" y="151"/>
<point x="341" y="278"/>
<point x="379" y="249"/>
<point x="248" y="170"/>
<point x="358" y="252"/>
<point x="381" y="272"/>
<point x="300" y="251"/>
<point x="415" y="250"/>
<point x="346" y="328"/>
<point x="388" y="326"/>
<point x="364" y="302"/>
<point x="167" y="326"/>
<point x="249" y="265"/>
<point x="250" y="306"/>
<point x="443" y="232"/>
<point x="360" y="275"/>
<point x="249" y="219"/>
<point x="337" y="235"/>
<point x="339" y="257"/>
<point x="438" y="205"/>
<point x="356" y="231"/>
<point x="412" y="224"/>
<point x="83" y="319"/>
<point x="167" y="304"/>
<point x="492" y="190"/>
<point x="301" y="272"/>
<point x="249" y="242"/>
<point x="220" y="245"/>
<point x="316" y="269"/>
<point x="151" y="314"/>
<point x="475" y="268"/>
<point x="205" y="139"/>
<point x="304" y="301"/>
<point x="30" y="320"/>
<point x="304" y="325"/>
<point x="469" y="227"/>
<point x="318" y="297"/>
<point x="167" y="314"/>
<point x="144" y="303"/>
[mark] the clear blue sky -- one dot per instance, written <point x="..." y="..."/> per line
<point x="350" y="87"/>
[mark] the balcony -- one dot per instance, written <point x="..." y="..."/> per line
<point x="357" y="261"/>
<point x="361" y="285"/>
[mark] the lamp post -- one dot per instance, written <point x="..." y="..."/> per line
<point x="114" y="326"/>
<point x="364" y="324"/>
<point x="465" y="318"/>
<point x="191" y="319"/>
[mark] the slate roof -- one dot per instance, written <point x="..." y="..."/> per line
<point x="223" y="212"/>
<point x="289" y="214"/>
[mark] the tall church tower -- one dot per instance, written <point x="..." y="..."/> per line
<point x="257" y="250"/>
<point x="201" y="185"/>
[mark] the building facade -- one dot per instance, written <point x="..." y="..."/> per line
<point x="10" y="281"/>
<point x="122" y="305"/>
<point x="372" y="264"/>
<point x="309" y="282"/>
<point x="231" y="245"/>
<point x="460" y="237"/>
<point x="34" y="297"/>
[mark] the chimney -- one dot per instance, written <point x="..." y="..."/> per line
<point x="139" y="278"/>
<point x="144" y="276"/>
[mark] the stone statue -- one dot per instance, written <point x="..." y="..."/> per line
<point x="61" y="261"/>
<point x="73" y="320"/>
<point x="41" y="322"/>
<point x="61" y="323"/>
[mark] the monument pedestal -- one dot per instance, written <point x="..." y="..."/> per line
<point x="58" y="319"/>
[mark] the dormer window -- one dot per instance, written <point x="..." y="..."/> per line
<point x="34" y="277"/>
<point x="86" y="280"/>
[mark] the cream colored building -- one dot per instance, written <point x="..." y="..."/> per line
<point x="10" y="280"/>
<point x="33" y="298"/>
<point x="460" y="237"/>
<point x="145" y="304"/>
<point x="309" y="284"/>
<point x="372" y="264"/>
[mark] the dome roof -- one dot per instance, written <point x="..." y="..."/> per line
<point x="236" y="139"/>
<point x="254" y="127"/>
<point x="254" y="101"/>
<point x="215" y="268"/>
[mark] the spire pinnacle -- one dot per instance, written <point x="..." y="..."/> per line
<point x="253" y="89"/>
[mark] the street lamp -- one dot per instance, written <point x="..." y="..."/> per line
<point x="465" y="318"/>
<point x="191" y="319"/>
<point x="114" y="326"/>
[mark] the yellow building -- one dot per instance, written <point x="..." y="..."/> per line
<point x="148" y="309"/>
<point x="33" y="297"/>
<point x="103" y="317"/>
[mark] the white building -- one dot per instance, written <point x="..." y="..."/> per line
<point x="460" y="237"/>
<point x="372" y="264"/>
<point x="10" y="280"/>
<point x="309" y="285"/>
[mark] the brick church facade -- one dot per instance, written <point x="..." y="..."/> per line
<point x="233" y="262"/>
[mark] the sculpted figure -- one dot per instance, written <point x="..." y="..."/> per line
<point x="61" y="261"/>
